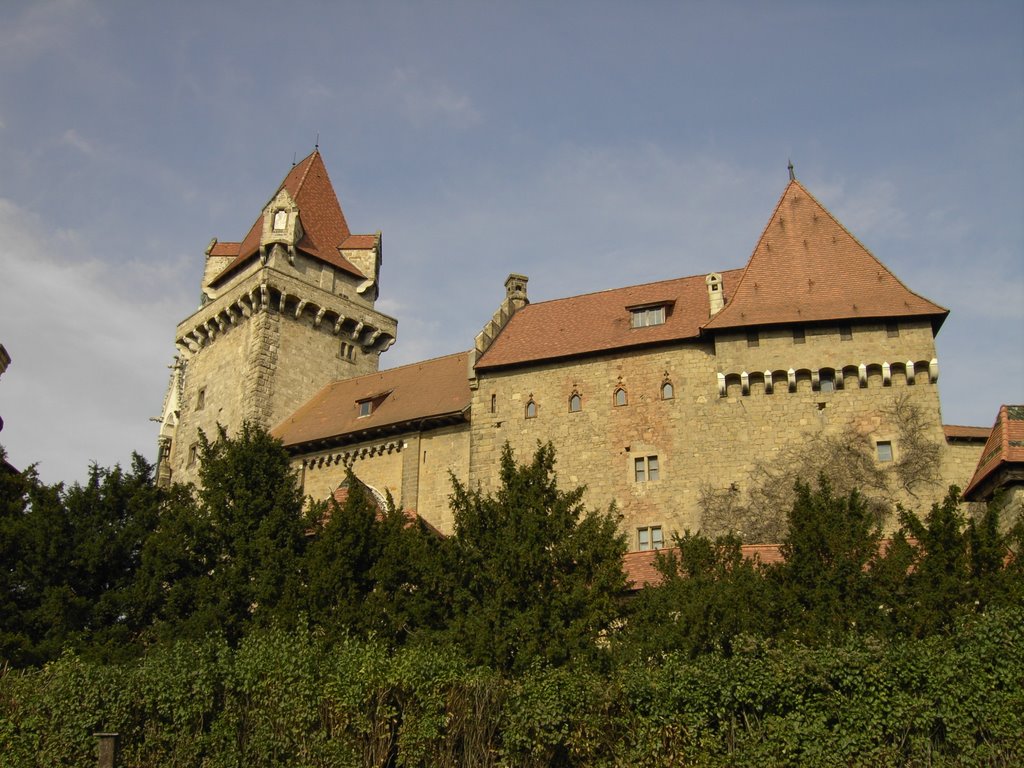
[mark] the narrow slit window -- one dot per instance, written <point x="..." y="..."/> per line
<point x="201" y="399"/>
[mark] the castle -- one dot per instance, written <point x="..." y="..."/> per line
<point x="651" y="394"/>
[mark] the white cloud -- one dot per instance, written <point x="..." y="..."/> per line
<point x="72" y="139"/>
<point x="88" y="352"/>
<point x="423" y="101"/>
<point x="45" y="27"/>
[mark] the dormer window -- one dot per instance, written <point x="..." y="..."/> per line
<point x="365" y="408"/>
<point x="280" y="220"/>
<point x="643" y="317"/>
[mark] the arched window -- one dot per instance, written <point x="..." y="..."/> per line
<point x="280" y="220"/>
<point x="667" y="391"/>
<point x="620" y="396"/>
<point x="575" y="403"/>
<point x="531" y="410"/>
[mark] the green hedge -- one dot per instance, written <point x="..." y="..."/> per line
<point x="291" y="698"/>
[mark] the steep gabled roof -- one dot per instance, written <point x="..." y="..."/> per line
<point x="324" y="227"/>
<point x="1004" y="448"/>
<point x="401" y="398"/>
<point x="807" y="268"/>
<point x="600" y="322"/>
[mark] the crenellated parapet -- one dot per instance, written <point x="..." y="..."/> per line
<point x="827" y="379"/>
<point x="269" y="291"/>
<point x="348" y="457"/>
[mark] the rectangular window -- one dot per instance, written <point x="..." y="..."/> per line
<point x="827" y="382"/>
<point x="645" y="469"/>
<point x="753" y="339"/>
<point x="845" y="332"/>
<point x="494" y="403"/>
<point x="201" y="399"/>
<point x="192" y="451"/>
<point x="798" y="336"/>
<point x="365" y="408"/>
<point x="348" y="351"/>
<point x="641" y="318"/>
<point x="650" y="537"/>
<point x="884" y="450"/>
<point x="892" y="330"/>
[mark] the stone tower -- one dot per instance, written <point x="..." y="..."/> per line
<point x="283" y="313"/>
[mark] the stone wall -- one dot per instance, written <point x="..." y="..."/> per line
<point x="699" y="437"/>
<point x="415" y="468"/>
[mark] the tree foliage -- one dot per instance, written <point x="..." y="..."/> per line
<point x="536" y="575"/>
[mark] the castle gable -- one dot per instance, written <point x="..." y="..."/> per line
<point x="808" y="268"/>
<point x="1003" y="450"/>
<point x="323" y="226"/>
<point x="435" y="390"/>
<point x="604" y="321"/>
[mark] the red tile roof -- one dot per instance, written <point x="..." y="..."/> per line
<point x="433" y="389"/>
<point x="1005" y="447"/>
<point x="642" y="571"/>
<point x="224" y="249"/>
<point x="597" y="322"/>
<point x="808" y="268"/>
<point x="954" y="431"/>
<point x="323" y="223"/>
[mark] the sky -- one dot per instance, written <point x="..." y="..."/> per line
<point x="588" y="145"/>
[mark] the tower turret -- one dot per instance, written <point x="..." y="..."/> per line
<point x="284" y="312"/>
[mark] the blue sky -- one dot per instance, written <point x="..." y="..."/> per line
<point x="587" y="145"/>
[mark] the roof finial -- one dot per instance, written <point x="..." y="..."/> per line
<point x="293" y="159"/>
<point x="317" y="145"/>
<point x="792" y="175"/>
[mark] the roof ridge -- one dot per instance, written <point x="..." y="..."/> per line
<point x="857" y="240"/>
<point x="305" y="172"/>
<point x="757" y="242"/>
<point x="628" y="287"/>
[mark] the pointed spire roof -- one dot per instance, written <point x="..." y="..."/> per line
<point x="324" y="227"/>
<point x="808" y="268"/>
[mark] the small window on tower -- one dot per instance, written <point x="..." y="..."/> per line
<point x="193" y="451"/>
<point x="667" y="391"/>
<point x="845" y="332"/>
<point x="494" y="403"/>
<point x="645" y="469"/>
<point x="753" y="339"/>
<point x="620" y="396"/>
<point x="531" y="410"/>
<point x="280" y="220"/>
<point x="892" y="330"/>
<point x="201" y="399"/>
<point x="884" y="448"/>
<point x="798" y="336"/>
<point x="575" y="403"/>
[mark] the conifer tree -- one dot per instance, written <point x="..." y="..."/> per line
<point x="537" y="577"/>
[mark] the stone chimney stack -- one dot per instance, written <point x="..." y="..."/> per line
<point x="716" y="294"/>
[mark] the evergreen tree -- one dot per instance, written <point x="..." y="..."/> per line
<point x="372" y="570"/>
<point x="536" y="576"/>
<point x="829" y="545"/>
<point x="709" y="595"/>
